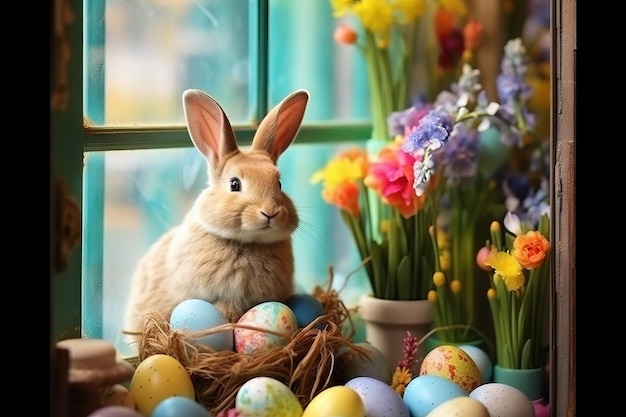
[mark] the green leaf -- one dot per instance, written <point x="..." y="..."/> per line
<point x="406" y="287"/>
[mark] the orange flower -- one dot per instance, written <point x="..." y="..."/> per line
<point x="530" y="249"/>
<point x="341" y="177"/>
<point x="473" y="34"/>
<point x="345" y="196"/>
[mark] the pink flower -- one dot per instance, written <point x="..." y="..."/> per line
<point x="391" y="176"/>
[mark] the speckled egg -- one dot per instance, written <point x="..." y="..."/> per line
<point x="267" y="397"/>
<point x="379" y="399"/>
<point x="270" y="315"/>
<point x="159" y="377"/>
<point x="481" y="359"/>
<point x="503" y="400"/>
<point x="453" y="363"/>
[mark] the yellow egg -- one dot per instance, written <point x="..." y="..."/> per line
<point x="453" y="363"/>
<point x="460" y="407"/>
<point x="337" y="401"/>
<point x="159" y="377"/>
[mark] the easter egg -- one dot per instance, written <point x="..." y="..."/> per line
<point x="270" y="315"/>
<point x="195" y="315"/>
<point x="156" y="378"/>
<point x="115" y="411"/>
<point x="481" y="359"/>
<point x="336" y="401"/>
<point x="460" y="407"/>
<point x="454" y="363"/>
<point x="372" y="364"/>
<point x="179" y="407"/>
<point x="425" y="392"/>
<point x="306" y="308"/>
<point x="118" y="394"/>
<point x="503" y="400"/>
<point x="267" y="397"/>
<point x="379" y="399"/>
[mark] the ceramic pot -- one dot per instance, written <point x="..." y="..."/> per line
<point x="432" y="342"/>
<point x="529" y="381"/>
<point x="387" y="323"/>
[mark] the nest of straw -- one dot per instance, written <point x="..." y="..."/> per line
<point x="309" y="362"/>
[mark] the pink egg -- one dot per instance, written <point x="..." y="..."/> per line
<point x="264" y="319"/>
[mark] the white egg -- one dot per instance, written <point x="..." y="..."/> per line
<point x="503" y="400"/>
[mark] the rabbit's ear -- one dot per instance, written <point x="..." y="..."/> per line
<point x="281" y="125"/>
<point x="208" y="126"/>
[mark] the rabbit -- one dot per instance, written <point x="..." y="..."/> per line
<point x="233" y="248"/>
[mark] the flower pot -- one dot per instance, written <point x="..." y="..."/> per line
<point x="432" y="342"/>
<point x="387" y="323"/>
<point x="529" y="381"/>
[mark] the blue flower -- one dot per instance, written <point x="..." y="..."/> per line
<point x="432" y="132"/>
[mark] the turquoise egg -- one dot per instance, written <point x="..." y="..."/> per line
<point x="196" y="315"/>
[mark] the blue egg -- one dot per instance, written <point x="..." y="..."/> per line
<point x="425" y="392"/>
<point x="179" y="407"/>
<point x="196" y="315"/>
<point x="306" y="308"/>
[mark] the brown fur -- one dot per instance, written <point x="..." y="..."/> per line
<point x="226" y="251"/>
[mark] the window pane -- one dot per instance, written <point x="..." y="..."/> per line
<point x="303" y="54"/>
<point x="141" y="55"/>
<point x="147" y="192"/>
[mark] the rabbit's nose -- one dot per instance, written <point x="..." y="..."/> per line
<point x="269" y="216"/>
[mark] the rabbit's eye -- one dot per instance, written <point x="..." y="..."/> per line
<point x="280" y="185"/>
<point x="235" y="184"/>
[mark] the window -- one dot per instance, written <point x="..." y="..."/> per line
<point x="141" y="56"/>
<point x="71" y="139"/>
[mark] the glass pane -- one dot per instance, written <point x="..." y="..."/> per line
<point x="148" y="192"/>
<point x="141" y="55"/>
<point x="303" y="54"/>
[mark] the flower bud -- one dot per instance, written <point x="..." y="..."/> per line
<point x="432" y="296"/>
<point x="455" y="286"/>
<point x="439" y="278"/>
<point x="481" y="258"/>
<point x="345" y="33"/>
